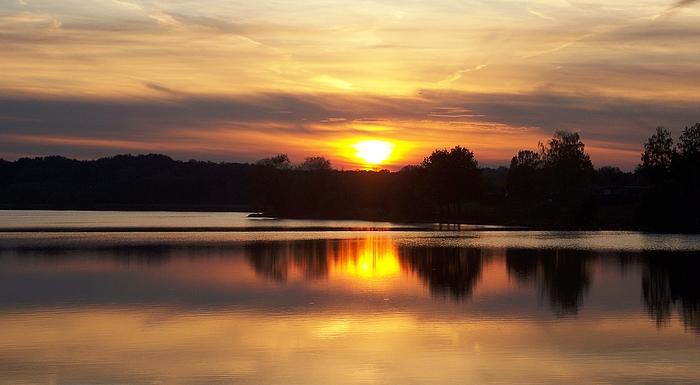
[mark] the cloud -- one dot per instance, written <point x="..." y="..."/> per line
<point x="684" y="3"/>
<point x="162" y="18"/>
<point x="369" y="121"/>
<point x="208" y="22"/>
<point x="453" y="112"/>
<point x="458" y="74"/>
<point x="164" y="89"/>
<point x="334" y="82"/>
<point x="541" y="15"/>
<point x="677" y="7"/>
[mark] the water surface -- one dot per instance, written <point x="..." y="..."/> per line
<point x="343" y="307"/>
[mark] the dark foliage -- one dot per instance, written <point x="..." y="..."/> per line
<point x="147" y="181"/>
<point x="454" y="177"/>
<point x="567" y="168"/>
<point x="553" y="188"/>
<point x="672" y="202"/>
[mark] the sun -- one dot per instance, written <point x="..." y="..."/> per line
<point x="373" y="152"/>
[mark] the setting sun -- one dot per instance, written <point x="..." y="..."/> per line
<point x="373" y="152"/>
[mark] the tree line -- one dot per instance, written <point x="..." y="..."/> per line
<point x="552" y="187"/>
<point x="121" y="182"/>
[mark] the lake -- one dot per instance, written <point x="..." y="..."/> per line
<point x="220" y="298"/>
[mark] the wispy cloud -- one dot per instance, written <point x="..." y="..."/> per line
<point x="542" y="15"/>
<point x="458" y="74"/>
<point x="682" y="4"/>
<point x="453" y="112"/>
<point x="160" y="17"/>
<point x="677" y="7"/>
<point x="165" y="90"/>
<point x="334" y="120"/>
<point x="333" y="82"/>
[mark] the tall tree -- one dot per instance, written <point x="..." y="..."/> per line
<point x="659" y="207"/>
<point x="689" y="141"/>
<point x="455" y="177"/>
<point x="686" y="171"/>
<point x="266" y="182"/>
<point x="657" y="157"/>
<point x="568" y="166"/>
<point x="523" y="176"/>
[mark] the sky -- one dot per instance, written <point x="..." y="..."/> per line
<point x="238" y="81"/>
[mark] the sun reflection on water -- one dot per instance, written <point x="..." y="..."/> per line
<point x="367" y="258"/>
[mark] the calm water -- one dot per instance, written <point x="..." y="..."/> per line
<point x="218" y="298"/>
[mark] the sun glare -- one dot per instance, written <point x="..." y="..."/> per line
<point x="373" y="152"/>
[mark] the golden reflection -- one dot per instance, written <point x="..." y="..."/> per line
<point x="138" y="344"/>
<point x="368" y="258"/>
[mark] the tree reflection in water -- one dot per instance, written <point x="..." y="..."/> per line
<point x="672" y="280"/>
<point x="314" y="259"/>
<point x="564" y="276"/>
<point x="453" y="271"/>
<point x="268" y="260"/>
<point x="445" y="271"/>
<point x="311" y="257"/>
<point x="275" y="260"/>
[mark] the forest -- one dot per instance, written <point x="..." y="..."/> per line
<point x="552" y="187"/>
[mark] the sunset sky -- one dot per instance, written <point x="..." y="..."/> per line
<point x="237" y="81"/>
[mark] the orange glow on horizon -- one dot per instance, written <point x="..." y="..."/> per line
<point x="373" y="152"/>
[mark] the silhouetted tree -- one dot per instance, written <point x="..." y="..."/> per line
<point x="610" y="176"/>
<point x="279" y="162"/>
<point x="266" y="182"/>
<point x="408" y="195"/>
<point x="547" y="188"/>
<point x="689" y="141"/>
<point x="568" y="167"/>
<point x="686" y="172"/>
<point x="524" y="176"/>
<point x="150" y="181"/>
<point x="657" y="157"/>
<point x="315" y="163"/>
<point x="454" y="176"/>
<point x="659" y="209"/>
